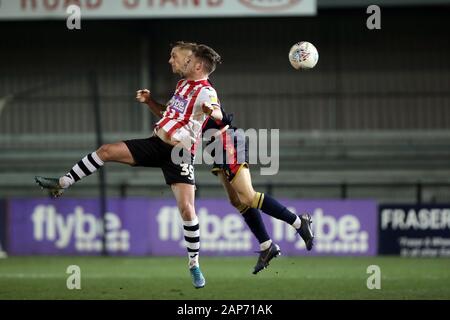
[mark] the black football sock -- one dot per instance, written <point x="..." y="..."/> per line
<point x="275" y="209"/>
<point x="254" y="221"/>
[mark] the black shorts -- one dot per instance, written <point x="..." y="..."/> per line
<point x="155" y="153"/>
<point x="235" y="155"/>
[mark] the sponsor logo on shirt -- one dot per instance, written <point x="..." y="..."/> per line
<point x="178" y="104"/>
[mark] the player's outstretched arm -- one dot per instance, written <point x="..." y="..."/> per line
<point x="144" y="96"/>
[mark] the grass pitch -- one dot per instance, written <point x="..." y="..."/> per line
<point x="290" y="278"/>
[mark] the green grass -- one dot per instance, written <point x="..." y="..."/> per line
<point x="227" y="278"/>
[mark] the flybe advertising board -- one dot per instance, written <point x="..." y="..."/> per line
<point x="153" y="227"/>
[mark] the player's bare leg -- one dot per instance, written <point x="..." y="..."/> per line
<point x="268" y="249"/>
<point x="242" y="183"/>
<point x="114" y="152"/>
<point x="185" y="196"/>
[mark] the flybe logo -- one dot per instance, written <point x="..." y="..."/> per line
<point x="80" y="228"/>
<point x="228" y="232"/>
<point x="343" y="234"/>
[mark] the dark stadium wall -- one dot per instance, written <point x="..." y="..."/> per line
<point x="375" y="109"/>
<point x="395" y="79"/>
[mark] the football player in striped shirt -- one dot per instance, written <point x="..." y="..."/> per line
<point x="234" y="174"/>
<point x="251" y="216"/>
<point x="180" y="124"/>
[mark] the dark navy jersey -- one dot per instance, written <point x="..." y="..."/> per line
<point x="227" y="118"/>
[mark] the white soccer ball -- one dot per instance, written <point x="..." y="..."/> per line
<point x="303" y="55"/>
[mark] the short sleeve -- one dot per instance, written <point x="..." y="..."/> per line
<point x="208" y="95"/>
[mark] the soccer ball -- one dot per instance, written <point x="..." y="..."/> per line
<point x="303" y="55"/>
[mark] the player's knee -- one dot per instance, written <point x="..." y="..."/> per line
<point x="105" y="152"/>
<point x="187" y="211"/>
<point x="247" y="199"/>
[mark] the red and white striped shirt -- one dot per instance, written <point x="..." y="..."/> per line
<point x="184" y="117"/>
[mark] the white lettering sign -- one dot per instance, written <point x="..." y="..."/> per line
<point x="128" y="9"/>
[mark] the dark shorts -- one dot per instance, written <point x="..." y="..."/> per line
<point x="235" y="155"/>
<point x="155" y="153"/>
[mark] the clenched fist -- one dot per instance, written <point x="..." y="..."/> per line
<point x="207" y="108"/>
<point x="143" y="95"/>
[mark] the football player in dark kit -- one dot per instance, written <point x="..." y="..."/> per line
<point x="233" y="171"/>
